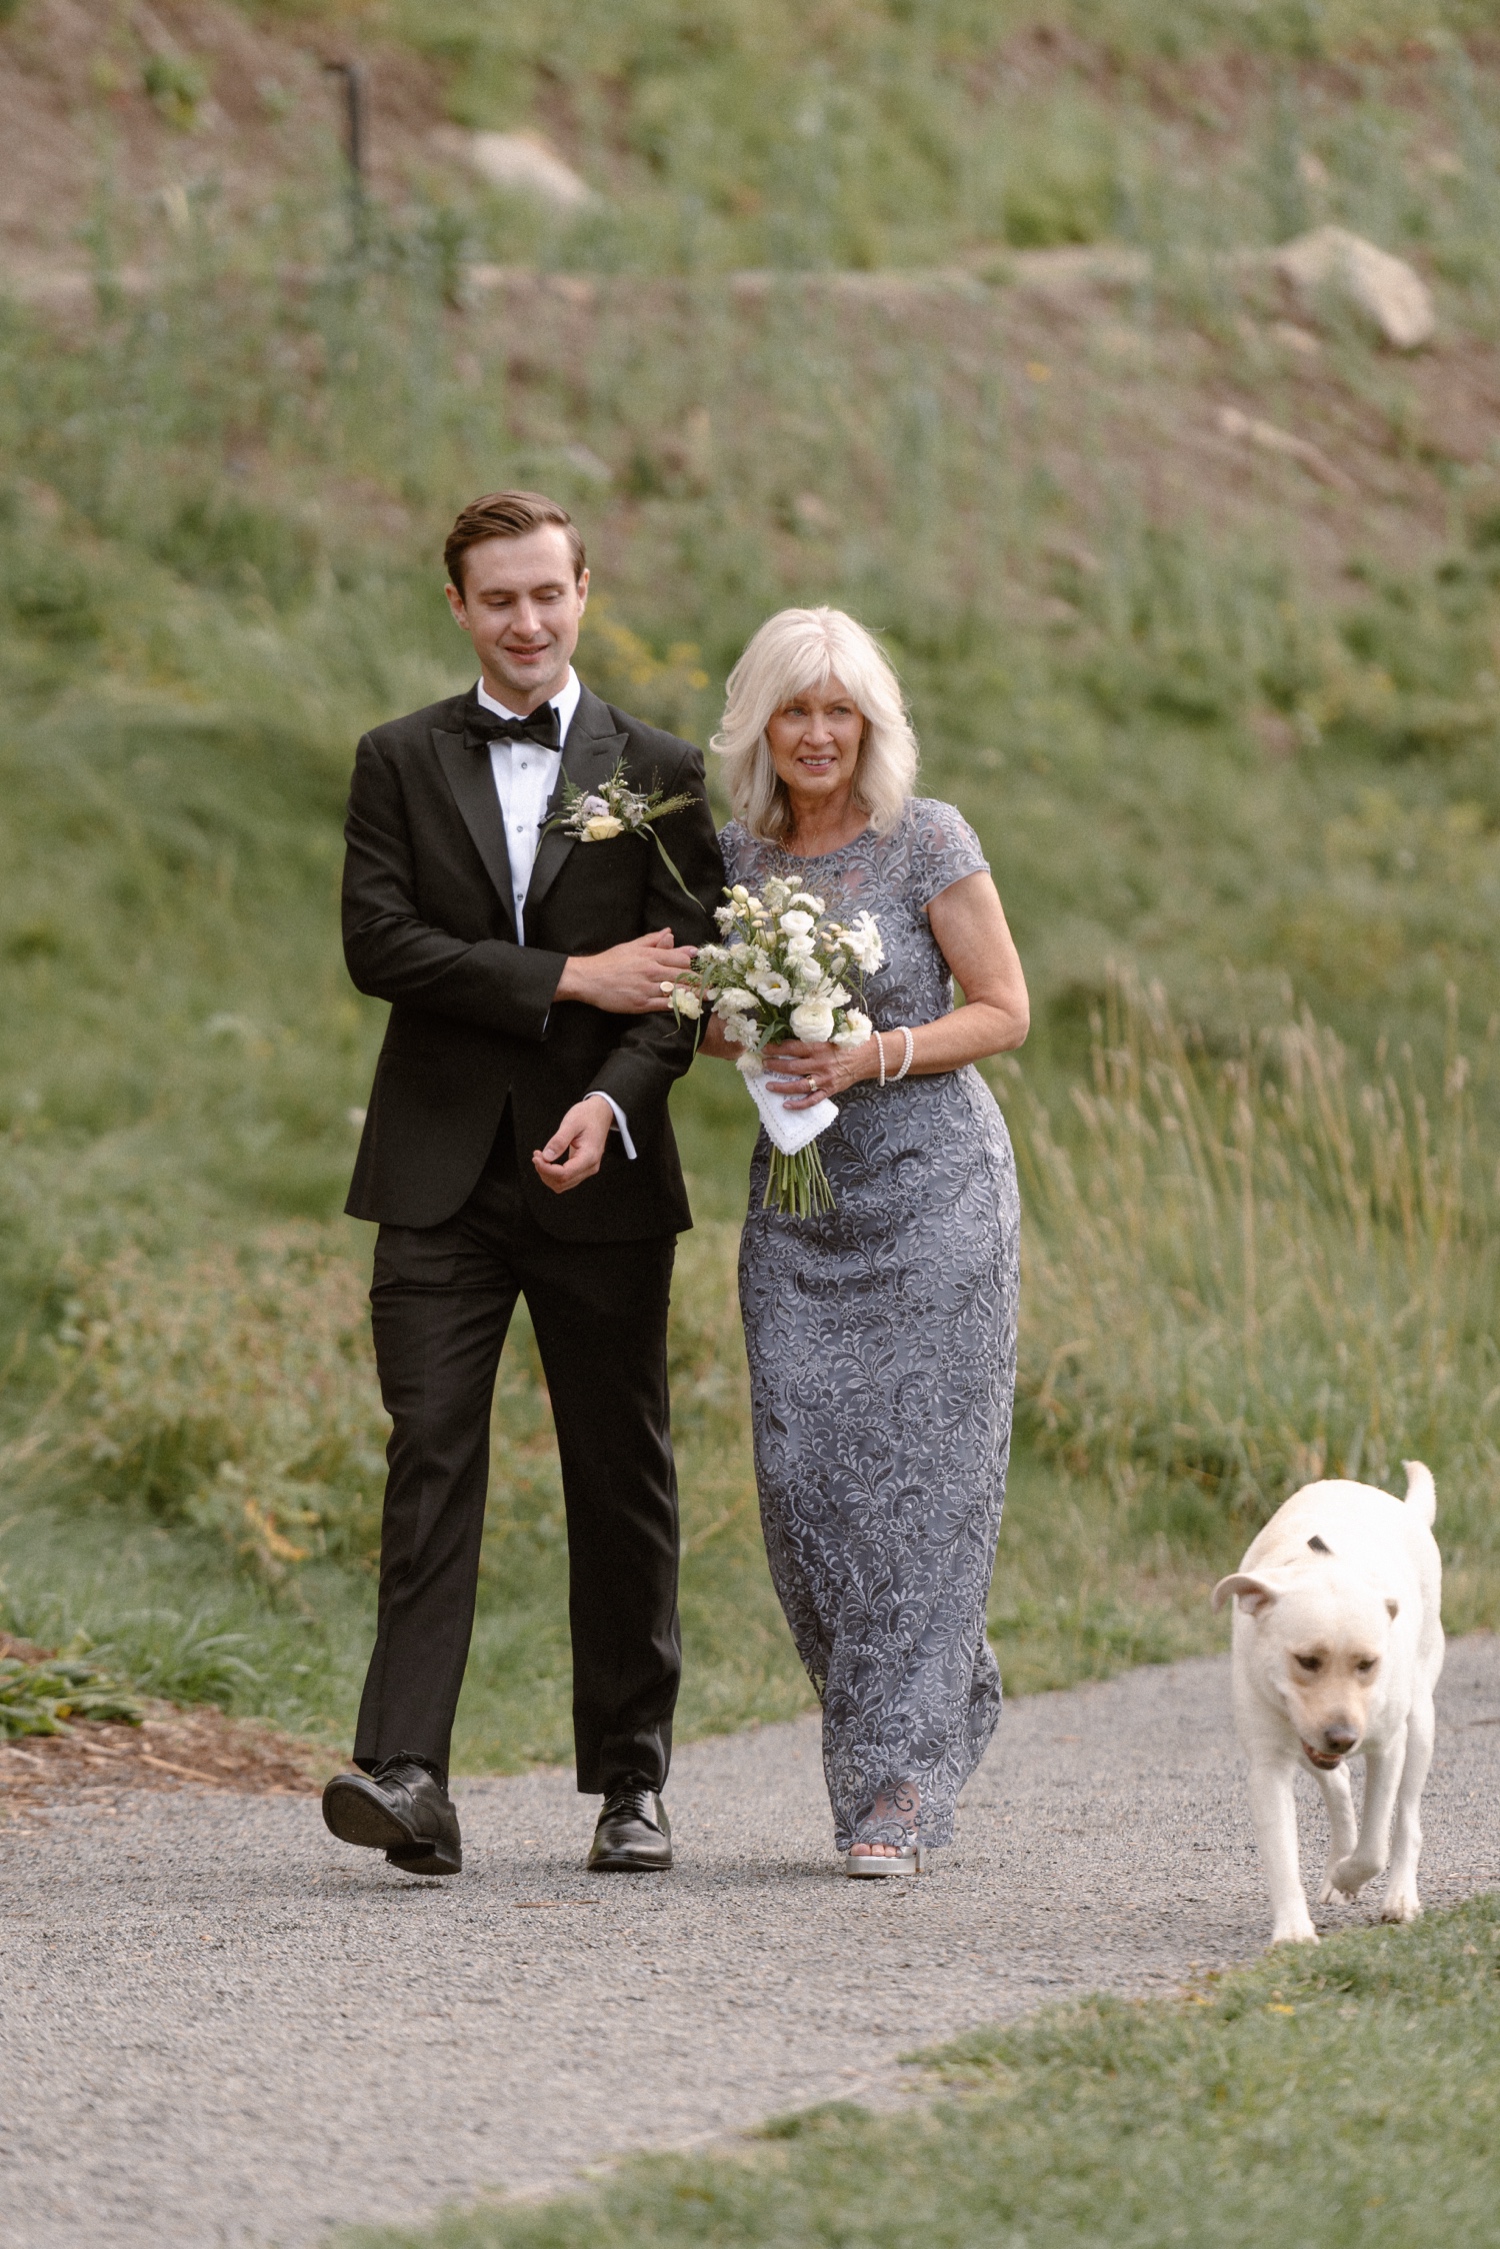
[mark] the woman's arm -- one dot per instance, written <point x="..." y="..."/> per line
<point x="968" y="921"/>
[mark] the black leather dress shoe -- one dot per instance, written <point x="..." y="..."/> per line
<point x="402" y="1809"/>
<point x="634" y="1835"/>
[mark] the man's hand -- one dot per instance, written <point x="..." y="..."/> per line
<point x="576" y="1149"/>
<point x="631" y="979"/>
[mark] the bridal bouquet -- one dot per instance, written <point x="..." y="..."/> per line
<point x="777" y="973"/>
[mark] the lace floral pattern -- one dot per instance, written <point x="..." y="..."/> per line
<point x="882" y="1346"/>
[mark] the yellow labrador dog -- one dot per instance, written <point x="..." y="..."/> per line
<point x="1338" y="1643"/>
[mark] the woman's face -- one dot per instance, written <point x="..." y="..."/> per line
<point x="814" y="741"/>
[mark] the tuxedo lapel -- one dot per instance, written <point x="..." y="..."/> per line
<point x="471" y="777"/>
<point x="592" y="751"/>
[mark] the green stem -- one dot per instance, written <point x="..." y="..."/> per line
<point x="798" y="1185"/>
<point x="671" y="869"/>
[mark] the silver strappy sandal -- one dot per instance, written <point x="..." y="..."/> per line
<point x="863" y="1865"/>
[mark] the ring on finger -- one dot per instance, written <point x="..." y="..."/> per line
<point x="664" y="986"/>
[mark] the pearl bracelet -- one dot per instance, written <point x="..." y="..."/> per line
<point x="905" y="1060"/>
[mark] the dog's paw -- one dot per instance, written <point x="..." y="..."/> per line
<point x="1295" y="1932"/>
<point x="1403" y="1906"/>
<point x="1349" y="1877"/>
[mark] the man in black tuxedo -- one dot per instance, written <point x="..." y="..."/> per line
<point x="517" y="1143"/>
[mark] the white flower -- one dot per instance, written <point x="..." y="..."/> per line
<point x="742" y="954"/>
<point x="813" y="1021"/>
<point x="735" y="1000"/>
<point x="739" y="1031"/>
<point x="807" y="971"/>
<point x="856" y="1029"/>
<point x="835" y="995"/>
<point x="725" y="916"/>
<point x="688" y="1002"/>
<point x="797" y="925"/>
<point x="592" y="807"/>
<point x="863" y="941"/>
<point x="799" y="948"/>
<point x="741" y="895"/>
<point x="602" y="828"/>
<point x="805" y="898"/>
<point x="772" y="986"/>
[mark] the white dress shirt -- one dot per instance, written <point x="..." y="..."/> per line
<point x="525" y="778"/>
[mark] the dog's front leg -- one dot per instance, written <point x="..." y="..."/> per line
<point x="1338" y="1802"/>
<point x="1273" y="1808"/>
<point x="1401" y="1901"/>
<point x="1382" y="1778"/>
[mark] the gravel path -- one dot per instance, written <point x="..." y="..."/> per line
<point x="218" y="2026"/>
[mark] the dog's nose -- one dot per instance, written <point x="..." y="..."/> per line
<point x="1340" y="1739"/>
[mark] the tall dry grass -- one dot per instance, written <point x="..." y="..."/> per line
<point x="233" y="1390"/>
<point x="1247" y="1271"/>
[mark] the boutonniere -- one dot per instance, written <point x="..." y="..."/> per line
<point x="616" y="809"/>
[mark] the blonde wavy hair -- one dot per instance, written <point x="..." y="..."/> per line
<point x="793" y="651"/>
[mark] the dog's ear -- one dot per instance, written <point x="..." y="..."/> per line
<point x="1257" y="1593"/>
<point x="1392" y="1607"/>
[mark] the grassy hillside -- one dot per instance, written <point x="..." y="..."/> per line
<point x="1223" y="723"/>
<point x="872" y="133"/>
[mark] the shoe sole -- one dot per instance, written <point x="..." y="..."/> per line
<point x="863" y="1868"/>
<point x="621" y="1865"/>
<point x="357" y="1816"/>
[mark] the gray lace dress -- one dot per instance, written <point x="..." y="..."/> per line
<point x="882" y="1346"/>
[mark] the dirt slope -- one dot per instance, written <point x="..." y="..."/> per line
<point x="117" y="111"/>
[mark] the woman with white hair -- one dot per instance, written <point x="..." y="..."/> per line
<point x="882" y="1334"/>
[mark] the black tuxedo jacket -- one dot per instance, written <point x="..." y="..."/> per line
<point x="429" y="926"/>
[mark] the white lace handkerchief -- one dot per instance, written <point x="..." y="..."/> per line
<point x="788" y="1129"/>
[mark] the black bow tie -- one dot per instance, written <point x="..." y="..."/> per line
<point x="492" y="726"/>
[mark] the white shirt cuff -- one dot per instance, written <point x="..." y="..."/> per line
<point x="625" y="1140"/>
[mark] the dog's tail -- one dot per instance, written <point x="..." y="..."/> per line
<point x="1421" y="1491"/>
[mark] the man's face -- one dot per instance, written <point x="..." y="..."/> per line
<point x="521" y="606"/>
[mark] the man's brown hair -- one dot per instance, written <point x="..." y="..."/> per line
<point x="507" y="515"/>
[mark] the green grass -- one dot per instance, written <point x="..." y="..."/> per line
<point x="1081" y="1591"/>
<point x="874" y="133"/>
<point x="1239" y="739"/>
<point x="1349" y="2096"/>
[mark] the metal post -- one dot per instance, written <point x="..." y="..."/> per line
<point x="355" y="138"/>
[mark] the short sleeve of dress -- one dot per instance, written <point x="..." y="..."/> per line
<point x="737" y="847"/>
<point x="944" y="848"/>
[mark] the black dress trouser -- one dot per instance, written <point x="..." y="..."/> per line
<point x="442" y="1300"/>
